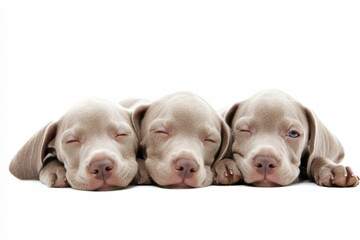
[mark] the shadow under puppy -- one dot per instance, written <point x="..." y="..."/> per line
<point x="92" y="147"/>
<point x="274" y="137"/>
<point x="180" y="137"/>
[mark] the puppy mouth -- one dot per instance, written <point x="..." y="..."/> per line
<point x="107" y="187"/>
<point x="265" y="183"/>
<point x="179" y="185"/>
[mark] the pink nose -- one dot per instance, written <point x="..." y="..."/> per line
<point x="185" y="167"/>
<point x="265" y="164"/>
<point x="101" y="169"/>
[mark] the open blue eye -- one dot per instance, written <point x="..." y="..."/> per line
<point x="293" y="134"/>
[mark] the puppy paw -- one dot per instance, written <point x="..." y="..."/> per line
<point x="53" y="174"/>
<point x="336" y="176"/>
<point x="226" y="172"/>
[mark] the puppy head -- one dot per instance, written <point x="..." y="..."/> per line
<point x="181" y="136"/>
<point x="94" y="140"/>
<point x="271" y="134"/>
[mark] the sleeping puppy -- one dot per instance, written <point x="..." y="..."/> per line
<point x="180" y="137"/>
<point x="92" y="147"/>
<point x="274" y="137"/>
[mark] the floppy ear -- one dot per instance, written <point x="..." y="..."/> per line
<point x="228" y="117"/>
<point x="322" y="143"/>
<point x="31" y="157"/>
<point x="225" y="141"/>
<point x="136" y="118"/>
<point x="229" y="114"/>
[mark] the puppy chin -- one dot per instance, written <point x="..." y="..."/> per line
<point x="266" y="182"/>
<point x="178" y="182"/>
<point x="178" y="185"/>
<point x="106" y="187"/>
<point x="96" y="186"/>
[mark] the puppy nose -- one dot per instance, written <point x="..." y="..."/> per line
<point x="101" y="169"/>
<point x="265" y="164"/>
<point x="186" y="167"/>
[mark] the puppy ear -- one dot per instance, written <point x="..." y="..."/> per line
<point x="137" y="116"/>
<point x="30" y="158"/>
<point x="322" y="143"/>
<point x="225" y="141"/>
<point x="229" y="114"/>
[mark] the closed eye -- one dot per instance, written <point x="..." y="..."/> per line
<point x="244" y="130"/>
<point x="161" y="132"/>
<point x="72" y="141"/>
<point x="210" y="140"/>
<point x="69" y="137"/>
<point x="160" y="128"/>
<point x="293" y="134"/>
<point x="119" y="135"/>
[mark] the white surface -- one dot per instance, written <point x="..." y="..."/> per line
<point x="56" y="53"/>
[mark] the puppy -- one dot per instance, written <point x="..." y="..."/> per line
<point x="92" y="147"/>
<point x="274" y="137"/>
<point x="180" y="137"/>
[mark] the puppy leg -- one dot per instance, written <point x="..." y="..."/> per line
<point x="226" y="172"/>
<point x="53" y="174"/>
<point x="327" y="173"/>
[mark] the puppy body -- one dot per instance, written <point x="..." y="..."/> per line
<point x="274" y="137"/>
<point x="92" y="147"/>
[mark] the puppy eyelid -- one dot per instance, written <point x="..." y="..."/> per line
<point x="72" y="140"/>
<point x="122" y="134"/>
<point x="119" y="136"/>
<point x="161" y="131"/>
<point x="210" y="140"/>
<point x="243" y="128"/>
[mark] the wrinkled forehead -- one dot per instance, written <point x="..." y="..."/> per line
<point x="95" y="114"/>
<point x="191" y="112"/>
<point x="272" y="108"/>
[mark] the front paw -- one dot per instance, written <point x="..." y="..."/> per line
<point x="226" y="172"/>
<point x="336" y="176"/>
<point x="53" y="174"/>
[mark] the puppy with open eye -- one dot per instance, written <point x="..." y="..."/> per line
<point x="92" y="147"/>
<point x="180" y="137"/>
<point x="274" y="137"/>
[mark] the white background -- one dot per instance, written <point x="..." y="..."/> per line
<point x="56" y="53"/>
